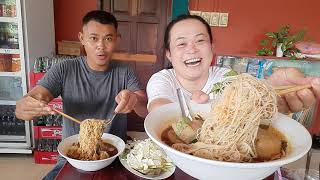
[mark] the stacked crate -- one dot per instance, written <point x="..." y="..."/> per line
<point x="47" y="130"/>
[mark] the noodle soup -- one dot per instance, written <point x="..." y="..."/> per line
<point x="117" y="143"/>
<point x="270" y="144"/>
<point x="90" y="146"/>
<point x="105" y="151"/>
<point x="160" y="119"/>
<point x="233" y="130"/>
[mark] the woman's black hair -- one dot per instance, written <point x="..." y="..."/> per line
<point x="181" y="18"/>
<point x="100" y="16"/>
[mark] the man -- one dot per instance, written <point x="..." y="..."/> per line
<point x="91" y="86"/>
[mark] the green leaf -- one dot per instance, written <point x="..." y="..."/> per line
<point x="216" y="88"/>
<point x="282" y="35"/>
<point x="230" y="73"/>
<point x="271" y="35"/>
<point x="264" y="42"/>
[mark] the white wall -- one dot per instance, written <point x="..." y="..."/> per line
<point x="39" y="32"/>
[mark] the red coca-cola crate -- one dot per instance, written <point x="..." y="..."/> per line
<point x="48" y="132"/>
<point x="56" y="103"/>
<point x="42" y="157"/>
<point x="34" y="78"/>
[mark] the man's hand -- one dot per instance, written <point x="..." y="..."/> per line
<point x="295" y="101"/>
<point x="126" y="100"/>
<point x="28" y="108"/>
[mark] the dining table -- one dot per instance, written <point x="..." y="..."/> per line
<point x="115" y="171"/>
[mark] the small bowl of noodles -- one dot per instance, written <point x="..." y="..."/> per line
<point x="238" y="136"/>
<point x="91" y="149"/>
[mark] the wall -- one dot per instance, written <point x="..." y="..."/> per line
<point x="38" y="13"/>
<point x="68" y="15"/>
<point x="250" y="19"/>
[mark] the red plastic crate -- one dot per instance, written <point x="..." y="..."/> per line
<point x="34" y="78"/>
<point x="41" y="157"/>
<point x="56" y="103"/>
<point x="47" y="132"/>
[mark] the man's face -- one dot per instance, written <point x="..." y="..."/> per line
<point x="99" y="41"/>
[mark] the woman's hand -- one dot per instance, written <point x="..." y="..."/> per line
<point x="295" y="101"/>
<point x="199" y="97"/>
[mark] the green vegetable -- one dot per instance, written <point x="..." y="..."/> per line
<point x="181" y="125"/>
<point x="284" y="145"/>
<point x="230" y="73"/>
<point x="217" y="87"/>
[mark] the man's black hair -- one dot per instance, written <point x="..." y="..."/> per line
<point x="100" y="16"/>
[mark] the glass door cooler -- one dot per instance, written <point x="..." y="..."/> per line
<point x="15" y="135"/>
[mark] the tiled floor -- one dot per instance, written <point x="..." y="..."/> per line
<point x="22" y="167"/>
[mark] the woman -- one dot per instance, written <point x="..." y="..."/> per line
<point x="189" y="47"/>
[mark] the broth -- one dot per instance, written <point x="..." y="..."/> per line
<point x="105" y="150"/>
<point x="169" y="137"/>
<point x="268" y="141"/>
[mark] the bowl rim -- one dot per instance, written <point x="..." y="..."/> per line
<point x="91" y="161"/>
<point x="273" y="163"/>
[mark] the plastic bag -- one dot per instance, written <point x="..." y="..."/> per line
<point x="308" y="47"/>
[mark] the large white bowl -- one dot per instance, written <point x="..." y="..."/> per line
<point x="65" y="145"/>
<point x="200" y="168"/>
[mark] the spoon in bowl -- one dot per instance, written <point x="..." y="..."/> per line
<point x="183" y="105"/>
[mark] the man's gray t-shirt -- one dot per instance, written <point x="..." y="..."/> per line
<point x="90" y="94"/>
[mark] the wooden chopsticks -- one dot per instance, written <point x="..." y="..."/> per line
<point x="282" y="90"/>
<point x="67" y="116"/>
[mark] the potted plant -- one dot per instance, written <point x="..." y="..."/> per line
<point x="282" y="42"/>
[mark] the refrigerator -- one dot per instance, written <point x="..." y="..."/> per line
<point x="26" y="32"/>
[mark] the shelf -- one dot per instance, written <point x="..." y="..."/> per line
<point x="267" y="57"/>
<point x="15" y="150"/>
<point x="145" y="58"/>
<point x="10" y="74"/>
<point x="4" y="102"/>
<point x="9" y="19"/>
<point x="20" y="145"/>
<point x="6" y="138"/>
<point x="9" y="51"/>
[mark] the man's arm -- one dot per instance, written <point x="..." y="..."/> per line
<point x="28" y="108"/>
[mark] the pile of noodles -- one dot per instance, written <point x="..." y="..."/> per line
<point x="90" y="140"/>
<point x="230" y="130"/>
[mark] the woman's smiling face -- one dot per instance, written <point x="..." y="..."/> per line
<point x="190" y="50"/>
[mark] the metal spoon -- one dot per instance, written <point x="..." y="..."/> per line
<point x="306" y="172"/>
<point x="183" y="105"/>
